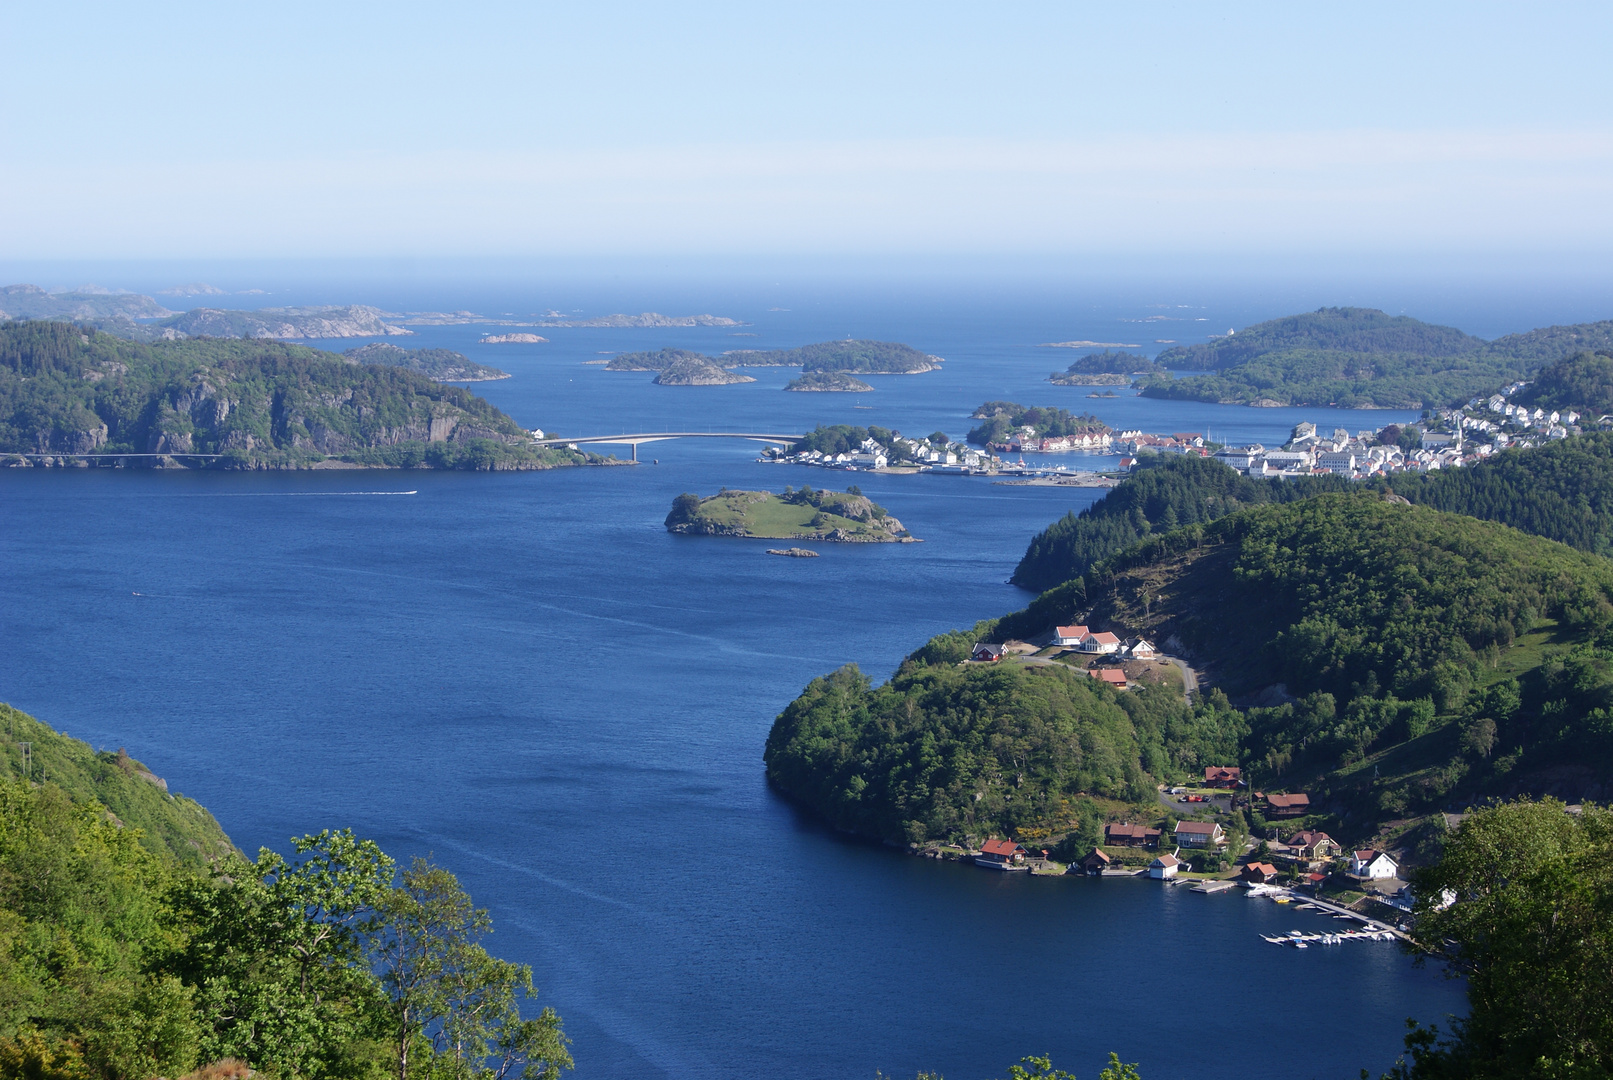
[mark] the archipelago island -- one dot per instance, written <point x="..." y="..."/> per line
<point x="849" y="518"/>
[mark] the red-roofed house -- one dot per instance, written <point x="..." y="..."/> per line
<point x="1372" y="864"/>
<point x="1287" y="805"/>
<point x="1113" y="676"/>
<point x="1100" y="643"/>
<point x="1164" y="867"/>
<point x="1001" y="855"/>
<point x="1222" y="776"/>
<point x="1261" y="872"/>
<point x="1069" y="636"/>
<point x="1123" y="835"/>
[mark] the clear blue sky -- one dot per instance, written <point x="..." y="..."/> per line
<point x="325" y="129"/>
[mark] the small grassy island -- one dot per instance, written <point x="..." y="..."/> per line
<point x="849" y="518"/>
<point x="828" y="382"/>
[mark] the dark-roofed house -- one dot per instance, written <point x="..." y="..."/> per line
<point x="1199" y="834"/>
<point x="986" y="652"/>
<point x="1287" y="805"/>
<point x="1001" y="855"/>
<point x="1123" y="835"/>
<point x="1222" y="776"/>
<point x="1095" y="863"/>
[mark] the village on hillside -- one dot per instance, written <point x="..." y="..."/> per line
<point x="1210" y="836"/>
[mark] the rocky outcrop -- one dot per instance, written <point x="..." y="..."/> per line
<point x="353" y="320"/>
<point x="831" y="382"/>
<point x="698" y="371"/>
<point x="513" y="339"/>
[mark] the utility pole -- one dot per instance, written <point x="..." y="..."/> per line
<point x="27" y="749"/>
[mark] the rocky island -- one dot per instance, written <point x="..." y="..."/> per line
<point x="698" y="371"/>
<point x="849" y="518"/>
<point x="513" y="339"/>
<point x="828" y="382"/>
<point x="648" y="319"/>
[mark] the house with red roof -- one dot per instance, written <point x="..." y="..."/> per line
<point x="1113" y="676"/>
<point x="1260" y="872"/>
<point x="1372" y="865"/>
<point x="1001" y="855"/>
<point x="1100" y="643"/>
<point x="1069" y="636"/>
<point x="1226" y="776"/>
<point x="1164" y="867"/>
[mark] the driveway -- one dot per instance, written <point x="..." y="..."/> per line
<point x="1190" y="679"/>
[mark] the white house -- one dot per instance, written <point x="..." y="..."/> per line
<point x="1069" y="636"/>
<point x="1141" y="649"/>
<point x="1164" y="867"/>
<point x="1341" y="462"/>
<point x="1199" y="834"/>
<point x="1372" y="865"/>
<point x="1100" y="643"/>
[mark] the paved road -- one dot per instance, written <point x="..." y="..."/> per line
<point x="1190" y="679"/>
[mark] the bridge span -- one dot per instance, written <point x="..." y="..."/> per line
<point x="661" y="436"/>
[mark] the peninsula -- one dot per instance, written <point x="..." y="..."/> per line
<point x="70" y="395"/>
<point x="849" y="518"/>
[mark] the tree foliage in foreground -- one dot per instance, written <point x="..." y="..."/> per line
<point x="117" y="964"/>
<point x="1520" y="906"/>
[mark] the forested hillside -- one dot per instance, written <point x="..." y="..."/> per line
<point x="1583" y="382"/>
<point x="1001" y="419"/>
<point x="1165" y="491"/>
<point x="122" y="963"/>
<point x="1562" y="490"/>
<point x="1364" y="331"/>
<point x="1402" y="658"/>
<point x="1362" y="358"/>
<point x="66" y="390"/>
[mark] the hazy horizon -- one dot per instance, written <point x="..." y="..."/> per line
<point x="1450" y="131"/>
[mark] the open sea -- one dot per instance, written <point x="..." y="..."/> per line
<point x="526" y="677"/>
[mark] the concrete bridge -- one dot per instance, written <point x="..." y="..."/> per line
<point x="661" y="436"/>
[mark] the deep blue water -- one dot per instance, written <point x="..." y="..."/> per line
<point x="527" y="677"/>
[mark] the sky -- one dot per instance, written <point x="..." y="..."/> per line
<point x="1459" y="131"/>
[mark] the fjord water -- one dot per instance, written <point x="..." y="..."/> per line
<point x="526" y="677"/>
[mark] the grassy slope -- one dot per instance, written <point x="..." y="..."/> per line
<point x="766" y="515"/>
<point x="172" y="826"/>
